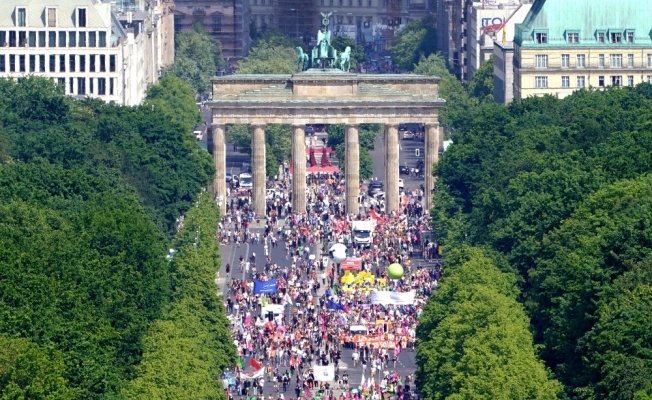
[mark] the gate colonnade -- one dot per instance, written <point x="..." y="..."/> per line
<point x="320" y="96"/>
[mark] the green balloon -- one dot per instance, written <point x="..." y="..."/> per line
<point x="395" y="271"/>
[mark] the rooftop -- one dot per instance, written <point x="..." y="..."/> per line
<point x="36" y="15"/>
<point x="557" y="18"/>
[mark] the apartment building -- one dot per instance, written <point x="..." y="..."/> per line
<point x="563" y="46"/>
<point x="84" y="46"/>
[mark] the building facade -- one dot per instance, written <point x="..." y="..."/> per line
<point x="84" y="46"/>
<point x="225" y="20"/>
<point x="564" y="46"/>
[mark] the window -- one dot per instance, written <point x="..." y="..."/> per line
<point x="91" y="87"/>
<point x="616" y="60"/>
<point x="616" y="37"/>
<point x="630" y="80"/>
<point x="112" y="63"/>
<point x="62" y="39"/>
<point x="649" y="60"/>
<point x="21" y="62"/>
<point x="630" y="60"/>
<point x="541" y="81"/>
<point x="111" y="86"/>
<point x="41" y="63"/>
<point x="616" y="80"/>
<point x="62" y="63"/>
<point x="12" y="39"/>
<point x="2" y="63"/>
<point x="217" y="24"/>
<point x="565" y="81"/>
<point x="81" y="18"/>
<point x="31" y="42"/>
<point x="91" y="66"/>
<point x="52" y="17"/>
<point x="541" y="37"/>
<point x="601" y="81"/>
<point x="71" y="62"/>
<point x="581" y="81"/>
<point x="629" y="36"/>
<point x="81" y="85"/>
<point x="581" y="61"/>
<point x="72" y="39"/>
<point x="53" y="63"/>
<point x="573" y="37"/>
<point x="82" y="63"/>
<point x="62" y="82"/>
<point x="102" y="39"/>
<point x="32" y="63"/>
<point x="21" y="16"/>
<point x="600" y="60"/>
<point x="3" y="39"/>
<point x="71" y="84"/>
<point x="369" y="3"/>
<point x="22" y="39"/>
<point x="52" y="39"/>
<point x="601" y="37"/>
<point x="541" y="61"/>
<point x="92" y="39"/>
<point x="12" y="63"/>
<point x="101" y="86"/>
<point x="102" y="63"/>
<point x="565" y="60"/>
<point x="82" y="39"/>
<point x="649" y="79"/>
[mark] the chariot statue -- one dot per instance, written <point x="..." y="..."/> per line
<point x="323" y="55"/>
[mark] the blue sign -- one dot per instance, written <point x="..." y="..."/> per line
<point x="264" y="287"/>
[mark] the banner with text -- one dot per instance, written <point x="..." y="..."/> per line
<point x="324" y="373"/>
<point x="396" y="298"/>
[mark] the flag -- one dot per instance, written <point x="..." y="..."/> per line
<point x="363" y="384"/>
<point x="254" y="374"/>
<point x="238" y="363"/>
<point x="255" y="364"/>
<point x="261" y="287"/>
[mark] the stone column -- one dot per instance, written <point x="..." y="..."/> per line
<point x="352" y="169"/>
<point x="217" y="143"/>
<point x="298" y="168"/>
<point x="258" y="162"/>
<point x="432" y="142"/>
<point x="391" y="168"/>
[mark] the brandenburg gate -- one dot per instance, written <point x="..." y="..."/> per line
<point x="325" y="94"/>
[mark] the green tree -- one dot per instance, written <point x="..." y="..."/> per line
<point x="417" y="40"/>
<point x="481" y="85"/>
<point x="28" y="371"/>
<point x="197" y="57"/>
<point x="271" y="55"/>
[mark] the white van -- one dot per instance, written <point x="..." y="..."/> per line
<point x="246" y="181"/>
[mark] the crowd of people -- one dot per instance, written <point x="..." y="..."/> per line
<point x="316" y="312"/>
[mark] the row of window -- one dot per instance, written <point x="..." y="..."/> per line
<point x="78" y="86"/>
<point x="80" y="17"/>
<point x="57" y="63"/>
<point x="52" y="39"/>
<point x="615" y="61"/>
<point x="601" y="36"/>
<point x="580" y="81"/>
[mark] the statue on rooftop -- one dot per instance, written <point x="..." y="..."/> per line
<point x="323" y="55"/>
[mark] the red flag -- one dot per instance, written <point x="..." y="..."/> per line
<point x="292" y="362"/>
<point x="255" y="364"/>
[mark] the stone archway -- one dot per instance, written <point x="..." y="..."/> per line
<point x="325" y="97"/>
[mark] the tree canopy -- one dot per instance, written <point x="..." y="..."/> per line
<point x="90" y="194"/>
<point x="558" y="190"/>
<point x="272" y="54"/>
<point x="197" y="58"/>
<point x="417" y="40"/>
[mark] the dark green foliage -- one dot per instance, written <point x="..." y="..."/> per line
<point x="89" y="193"/>
<point x="417" y="40"/>
<point x="340" y="42"/>
<point x="474" y="341"/>
<point x="561" y="189"/>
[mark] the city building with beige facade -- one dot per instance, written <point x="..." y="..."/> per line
<point x="564" y="46"/>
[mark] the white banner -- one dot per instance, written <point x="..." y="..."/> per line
<point x="397" y="298"/>
<point x="324" y="374"/>
<point x="253" y="374"/>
